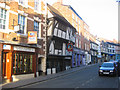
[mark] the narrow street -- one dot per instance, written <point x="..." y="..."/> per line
<point x="84" y="78"/>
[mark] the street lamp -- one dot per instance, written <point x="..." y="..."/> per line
<point x="118" y="20"/>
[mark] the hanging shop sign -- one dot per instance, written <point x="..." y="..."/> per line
<point x="70" y="47"/>
<point x="32" y="37"/>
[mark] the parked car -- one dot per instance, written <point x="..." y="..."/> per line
<point x="116" y="62"/>
<point x="108" y="68"/>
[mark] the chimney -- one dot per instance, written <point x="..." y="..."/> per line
<point x="60" y="1"/>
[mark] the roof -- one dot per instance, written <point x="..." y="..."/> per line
<point x="93" y="42"/>
<point x="58" y="15"/>
<point x="112" y="43"/>
<point x="75" y="12"/>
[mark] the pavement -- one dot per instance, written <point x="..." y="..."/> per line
<point x="29" y="81"/>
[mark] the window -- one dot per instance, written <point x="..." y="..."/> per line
<point x="22" y="63"/>
<point x="79" y="22"/>
<point x="76" y="19"/>
<point x="76" y="26"/>
<point x="2" y="18"/>
<point x="76" y="42"/>
<point x="37" y="5"/>
<point x="79" y="29"/>
<point x="21" y="22"/>
<point x="73" y="23"/>
<point x="72" y="16"/>
<point x="79" y="44"/>
<point x="23" y="2"/>
<point x="36" y="27"/>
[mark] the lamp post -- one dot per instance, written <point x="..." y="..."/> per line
<point x="118" y="20"/>
<point x="118" y="35"/>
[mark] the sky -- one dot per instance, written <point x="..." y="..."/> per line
<point x="100" y="15"/>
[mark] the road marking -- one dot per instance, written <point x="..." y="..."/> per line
<point x="88" y="81"/>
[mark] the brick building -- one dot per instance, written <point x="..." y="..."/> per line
<point x="17" y="56"/>
<point x="82" y="28"/>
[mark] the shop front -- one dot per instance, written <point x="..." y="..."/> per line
<point x="77" y="57"/>
<point x="18" y="60"/>
<point x="111" y="56"/>
<point x="57" y="64"/>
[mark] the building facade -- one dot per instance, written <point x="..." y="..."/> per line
<point x="81" y="27"/>
<point x="99" y="50"/>
<point x="61" y="38"/>
<point x="94" y="52"/>
<point x="104" y="51"/>
<point x="117" y="51"/>
<point x="111" y="51"/>
<point x="19" y="54"/>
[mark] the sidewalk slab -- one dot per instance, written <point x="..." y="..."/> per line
<point x="25" y="82"/>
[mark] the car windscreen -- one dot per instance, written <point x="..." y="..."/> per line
<point x="107" y="65"/>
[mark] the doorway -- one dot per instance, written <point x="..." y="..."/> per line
<point x="4" y="62"/>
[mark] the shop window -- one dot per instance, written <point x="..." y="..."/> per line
<point x="22" y="63"/>
<point x="31" y="58"/>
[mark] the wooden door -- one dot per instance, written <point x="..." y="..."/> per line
<point x="4" y="64"/>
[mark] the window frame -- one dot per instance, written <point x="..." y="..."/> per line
<point x="24" y="4"/>
<point x="38" y="31"/>
<point x="23" y="23"/>
<point x="38" y="8"/>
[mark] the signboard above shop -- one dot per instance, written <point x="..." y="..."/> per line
<point x="7" y="47"/>
<point x="32" y="37"/>
<point x="26" y="49"/>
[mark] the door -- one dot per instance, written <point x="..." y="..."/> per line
<point x="4" y="64"/>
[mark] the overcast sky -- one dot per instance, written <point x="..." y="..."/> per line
<point x="100" y="15"/>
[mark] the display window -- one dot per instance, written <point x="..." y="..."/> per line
<point x="22" y="63"/>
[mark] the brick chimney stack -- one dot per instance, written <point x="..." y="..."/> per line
<point x="60" y="1"/>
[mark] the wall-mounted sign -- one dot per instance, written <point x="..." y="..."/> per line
<point x="70" y="47"/>
<point x="32" y="37"/>
<point x="7" y="47"/>
<point x="19" y="48"/>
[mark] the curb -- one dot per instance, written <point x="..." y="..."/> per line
<point x="60" y="74"/>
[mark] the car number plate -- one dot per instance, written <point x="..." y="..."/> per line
<point x="105" y="72"/>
